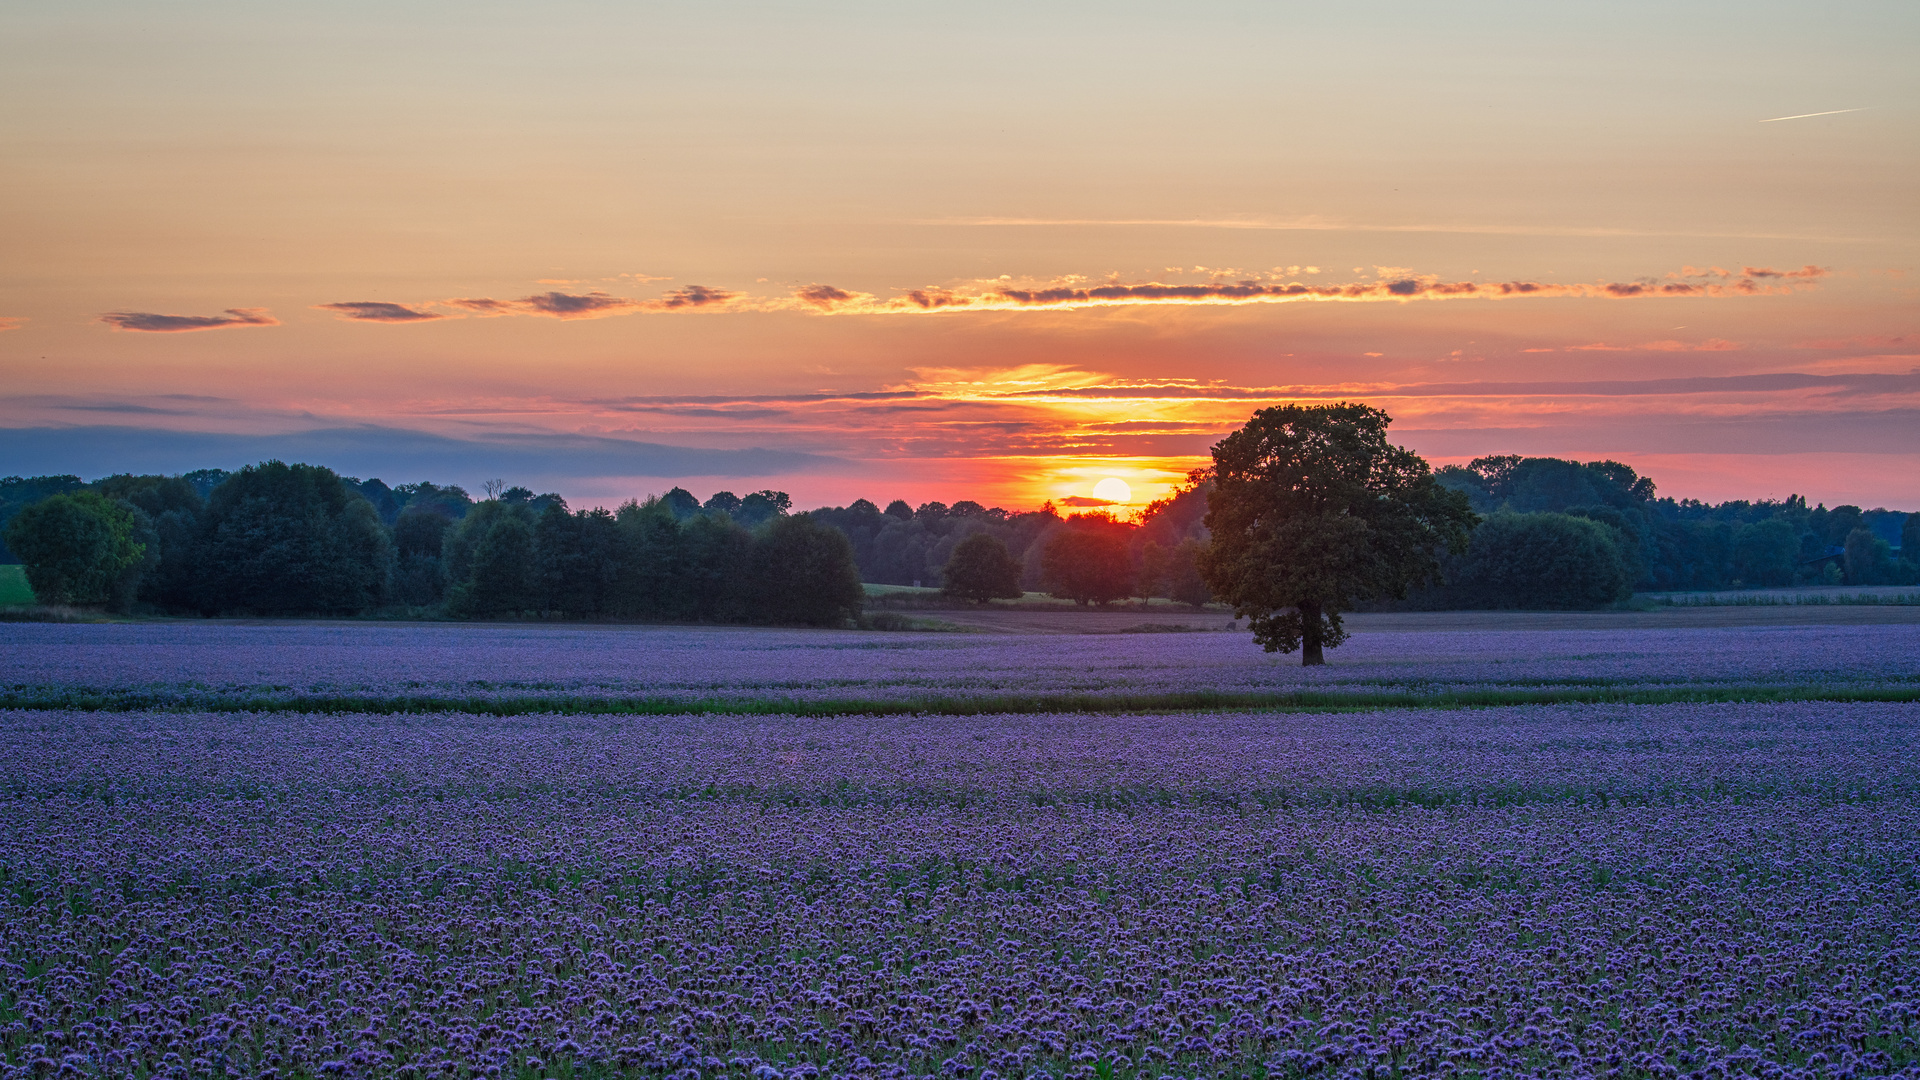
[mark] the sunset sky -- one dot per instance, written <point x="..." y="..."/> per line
<point x="999" y="251"/>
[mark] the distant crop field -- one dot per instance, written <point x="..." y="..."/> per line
<point x="454" y="851"/>
<point x="13" y="585"/>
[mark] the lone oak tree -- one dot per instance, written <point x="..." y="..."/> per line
<point x="1312" y="510"/>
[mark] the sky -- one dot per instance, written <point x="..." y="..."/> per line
<point x="999" y="252"/>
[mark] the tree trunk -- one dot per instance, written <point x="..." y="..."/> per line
<point x="1310" y="653"/>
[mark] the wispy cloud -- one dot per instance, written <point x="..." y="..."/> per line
<point x="147" y="322"/>
<point x="1005" y="294"/>
<point x="597" y="304"/>
<point x="1001" y="296"/>
<point x="482" y="305"/>
<point x="1806" y="115"/>
<point x="12" y="322"/>
<point x="379" y="311"/>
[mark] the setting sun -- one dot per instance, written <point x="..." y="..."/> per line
<point x="1114" y="490"/>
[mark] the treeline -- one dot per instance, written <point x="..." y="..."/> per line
<point x="277" y="539"/>
<point x="1559" y="533"/>
<point x="1156" y="556"/>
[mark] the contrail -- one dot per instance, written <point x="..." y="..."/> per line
<point x="1804" y="115"/>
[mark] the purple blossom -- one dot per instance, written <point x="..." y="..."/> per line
<point x="1550" y="891"/>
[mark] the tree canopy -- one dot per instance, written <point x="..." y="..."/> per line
<point x="804" y="572"/>
<point x="291" y="539"/>
<point x="1087" y="562"/>
<point x="1544" y="560"/>
<point x="76" y="546"/>
<point x="1312" y="510"/>
<point x="981" y="569"/>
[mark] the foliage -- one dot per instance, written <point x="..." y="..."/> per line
<point x="670" y="558"/>
<point x="981" y="569"/>
<point x="490" y="557"/>
<point x="19" y="492"/>
<point x="1543" y="561"/>
<point x="804" y="573"/>
<point x="280" y="539"/>
<point x="1311" y="510"/>
<point x="419" y="536"/>
<point x="1869" y="560"/>
<point x="902" y="546"/>
<point x="14" y="588"/>
<point x="77" y="547"/>
<point x="1764" y="552"/>
<point x="1529" y="484"/>
<point x="1175" y="573"/>
<point x="171" y="506"/>
<point x="1087" y="562"/>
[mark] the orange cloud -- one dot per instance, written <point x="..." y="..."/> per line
<point x="1398" y="284"/>
<point x="147" y="322"/>
<point x="1001" y="294"/>
<point x="12" y="322"/>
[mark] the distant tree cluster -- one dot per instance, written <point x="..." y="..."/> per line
<point x="1538" y="547"/>
<point x="981" y="553"/>
<point x="278" y="539"/>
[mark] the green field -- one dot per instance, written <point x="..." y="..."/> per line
<point x="13" y="585"/>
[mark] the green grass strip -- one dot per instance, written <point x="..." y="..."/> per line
<point x="1174" y="701"/>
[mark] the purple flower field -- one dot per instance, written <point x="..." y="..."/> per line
<point x="1697" y="890"/>
<point x="730" y="662"/>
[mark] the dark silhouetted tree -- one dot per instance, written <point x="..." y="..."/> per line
<point x="1312" y="510"/>
<point x="1175" y="572"/>
<point x="1543" y="561"/>
<point x="762" y="506"/>
<point x="172" y="507"/>
<point x="419" y="535"/>
<point x="1868" y="559"/>
<point x="719" y="564"/>
<point x="19" y="492"/>
<point x="654" y="576"/>
<point x="279" y="539"/>
<point x="1087" y="563"/>
<point x="981" y="569"/>
<point x="76" y="547"/>
<point x="681" y="503"/>
<point x="804" y="572"/>
<point x="490" y="561"/>
<point x="1764" y="552"/>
